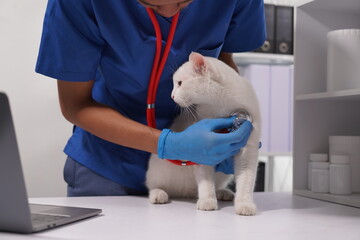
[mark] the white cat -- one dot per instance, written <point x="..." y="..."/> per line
<point x="208" y="88"/>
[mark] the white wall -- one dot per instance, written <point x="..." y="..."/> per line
<point x="41" y="130"/>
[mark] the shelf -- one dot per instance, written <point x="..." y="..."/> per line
<point x="352" y="94"/>
<point x="299" y="3"/>
<point x="262" y="58"/>
<point x="350" y="200"/>
<point x="272" y="154"/>
<point x="351" y="6"/>
<point x="289" y="3"/>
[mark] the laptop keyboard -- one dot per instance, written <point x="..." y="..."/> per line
<point x="38" y="218"/>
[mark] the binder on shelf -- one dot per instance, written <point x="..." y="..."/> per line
<point x="269" y="44"/>
<point x="291" y="110"/>
<point x="273" y="86"/>
<point x="284" y="16"/>
<point x="259" y="76"/>
<point x="281" y="109"/>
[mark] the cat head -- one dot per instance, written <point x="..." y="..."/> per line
<point x="197" y="81"/>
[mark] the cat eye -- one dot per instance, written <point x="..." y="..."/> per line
<point x="179" y="83"/>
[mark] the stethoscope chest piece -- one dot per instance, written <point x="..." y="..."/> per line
<point x="241" y="116"/>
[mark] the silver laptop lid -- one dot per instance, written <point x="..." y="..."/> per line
<point x="14" y="207"/>
<point x="15" y="213"/>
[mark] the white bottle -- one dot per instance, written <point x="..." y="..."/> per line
<point x="320" y="177"/>
<point x="315" y="158"/>
<point x="340" y="174"/>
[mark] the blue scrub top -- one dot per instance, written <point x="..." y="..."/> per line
<point x="113" y="43"/>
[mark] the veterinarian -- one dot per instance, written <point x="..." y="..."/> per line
<point x="102" y="54"/>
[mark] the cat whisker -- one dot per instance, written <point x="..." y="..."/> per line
<point x="190" y="108"/>
<point x="173" y="66"/>
<point x="177" y="107"/>
<point x="185" y="112"/>
<point x="201" y="116"/>
<point x="190" y="113"/>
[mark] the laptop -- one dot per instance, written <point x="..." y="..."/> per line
<point x="16" y="214"/>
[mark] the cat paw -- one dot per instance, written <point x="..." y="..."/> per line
<point x="158" y="196"/>
<point x="245" y="208"/>
<point x="224" y="195"/>
<point x="207" y="204"/>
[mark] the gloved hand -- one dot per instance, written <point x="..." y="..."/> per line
<point x="200" y="144"/>
<point x="226" y="166"/>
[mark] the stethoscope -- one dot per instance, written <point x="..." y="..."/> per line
<point x="156" y="72"/>
<point x="158" y="64"/>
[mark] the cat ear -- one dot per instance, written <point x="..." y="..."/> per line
<point x="198" y="62"/>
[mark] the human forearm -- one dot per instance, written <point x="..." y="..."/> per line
<point x="78" y="108"/>
<point x="228" y="59"/>
<point x="110" y="125"/>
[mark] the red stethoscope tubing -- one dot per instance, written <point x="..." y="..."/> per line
<point x="156" y="72"/>
<point x="158" y="65"/>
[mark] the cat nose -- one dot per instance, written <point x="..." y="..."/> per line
<point x="172" y="96"/>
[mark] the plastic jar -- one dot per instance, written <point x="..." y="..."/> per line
<point x="340" y="175"/>
<point x="320" y="177"/>
<point x="315" y="158"/>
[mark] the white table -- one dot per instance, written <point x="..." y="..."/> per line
<point x="280" y="216"/>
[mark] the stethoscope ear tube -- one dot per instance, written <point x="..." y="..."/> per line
<point x="158" y="64"/>
<point x="157" y="69"/>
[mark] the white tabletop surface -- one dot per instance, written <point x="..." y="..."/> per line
<point x="280" y="216"/>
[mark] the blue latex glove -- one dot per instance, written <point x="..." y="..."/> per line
<point x="226" y="166"/>
<point x="200" y="144"/>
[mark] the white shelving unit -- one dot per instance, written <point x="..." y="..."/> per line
<point x="318" y="113"/>
<point x="243" y="59"/>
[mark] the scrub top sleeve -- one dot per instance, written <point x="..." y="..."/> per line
<point x="71" y="43"/>
<point x="247" y="27"/>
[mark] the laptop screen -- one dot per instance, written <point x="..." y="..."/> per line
<point x="14" y="207"/>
